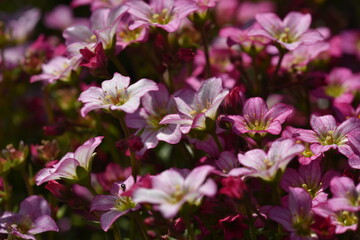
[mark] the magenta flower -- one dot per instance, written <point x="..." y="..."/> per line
<point x="297" y="217"/>
<point x="290" y="33"/>
<point x="116" y="94"/>
<point x="343" y="220"/>
<point x="310" y="178"/>
<point x="34" y="217"/>
<point x="156" y="105"/>
<point x="165" y="14"/>
<point x="58" y="68"/>
<point x="354" y="156"/>
<point x="170" y="190"/>
<point x="257" y="118"/>
<point x="103" y="26"/>
<point x="345" y="195"/>
<point x="327" y="134"/>
<point x="115" y="205"/>
<point x="257" y="163"/>
<point x="195" y="107"/>
<point x="67" y="167"/>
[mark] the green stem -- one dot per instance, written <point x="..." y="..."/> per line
<point x="134" y="164"/>
<point x="7" y="196"/>
<point x="276" y="72"/>
<point x="206" y="51"/>
<point x="251" y="223"/>
<point x="217" y="141"/>
<point x="116" y="230"/>
<point x="118" y="65"/>
<point x="141" y="226"/>
<point x="26" y="179"/>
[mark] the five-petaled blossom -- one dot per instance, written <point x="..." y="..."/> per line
<point x="116" y="205"/>
<point x="116" y="94"/>
<point x="34" y="217"/>
<point x="156" y="105"/>
<point x="327" y="134"/>
<point x="290" y="33"/>
<point x="346" y="196"/>
<point x="165" y="14"/>
<point x="297" y="217"/>
<point x="171" y="189"/>
<point x="257" y="118"/>
<point x="195" y="107"/>
<point x="67" y="167"/>
<point x="258" y="163"/>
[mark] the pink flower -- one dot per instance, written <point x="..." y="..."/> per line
<point x="263" y="165"/>
<point x="58" y="68"/>
<point x="156" y="105"/>
<point x="195" y="107"/>
<point x="297" y="217"/>
<point x="116" y="94"/>
<point x="165" y="14"/>
<point x="290" y="33"/>
<point x="34" y="217"/>
<point x="257" y="118"/>
<point x="67" y="167"/>
<point x="115" y="205"/>
<point x="346" y="196"/>
<point x="327" y="134"/>
<point x="170" y="190"/>
<point x="308" y="177"/>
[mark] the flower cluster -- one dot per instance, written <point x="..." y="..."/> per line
<point x="179" y="119"/>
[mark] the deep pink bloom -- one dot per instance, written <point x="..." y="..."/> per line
<point x="226" y="161"/>
<point x="165" y="14"/>
<point x="257" y="118"/>
<point x="290" y="33"/>
<point x="170" y="190"/>
<point x="343" y="220"/>
<point x="233" y="226"/>
<point x="116" y="94"/>
<point x="350" y="42"/>
<point x="257" y="163"/>
<point x="310" y="178"/>
<point x="354" y="156"/>
<point x="66" y="168"/>
<point x="156" y="105"/>
<point x="327" y="134"/>
<point x="34" y="217"/>
<point x="58" y="68"/>
<point x="346" y="196"/>
<point x="115" y="205"/>
<point x="113" y="173"/>
<point x="195" y="107"/>
<point x="298" y="217"/>
<point x="233" y="187"/>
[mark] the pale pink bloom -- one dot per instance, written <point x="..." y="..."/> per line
<point x="307" y="156"/>
<point x="248" y="10"/>
<point x="21" y="24"/>
<point x="340" y="85"/>
<point x="290" y="33"/>
<point x="258" y="163"/>
<point x="165" y="14"/>
<point x="247" y="42"/>
<point x="115" y="205"/>
<point x="34" y="217"/>
<point x="58" y="68"/>
<point x="354" y="156"/>
<point x="346" y="196"/>
<point x="351" y="42"/>
<point x="343" y="220"/>
<point x="257" y="118"/>
<point x="170" y="190"/>
<point x="103" y="26"/>
<point x="310" y="178"/>
<point x="67" y="167"/>
<point x="297" y="217"/>
<point x="125" y="36"/>
<point x="298" y="59"/>
<point x="195" y="107"/>
<point x="60" y="17"/>
<point x="327" y="134"/>
<point x="205" y="4"/>
<point x="116" y="94"/>
<point x="226" y="11"/>
<point x="156" y="105"/>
